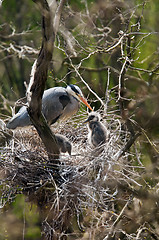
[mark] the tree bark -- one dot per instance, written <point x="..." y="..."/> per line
<point x="37" y="84"/>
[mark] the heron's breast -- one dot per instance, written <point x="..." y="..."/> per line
<point x="71" y="108"/>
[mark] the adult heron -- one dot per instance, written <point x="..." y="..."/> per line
<point x="57" y="103"/>
<point x="97" y="131"/>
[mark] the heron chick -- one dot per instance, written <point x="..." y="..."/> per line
<point x="97" y="131"/>
<point x="63" y="144"/>
<point x="57" y="103"/>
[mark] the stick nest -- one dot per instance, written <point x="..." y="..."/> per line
<point x="85" y="189"/>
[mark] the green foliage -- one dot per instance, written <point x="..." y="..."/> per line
<point x="16" y="34"/>
<point x="26" y="220"/>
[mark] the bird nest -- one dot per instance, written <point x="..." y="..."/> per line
<point x="87" y="185"/>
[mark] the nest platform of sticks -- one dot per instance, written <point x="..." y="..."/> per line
<point x="87" y="185"/>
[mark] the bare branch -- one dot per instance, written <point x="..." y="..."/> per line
<point x="38" y="78"/>
<point x="86" y="84"/>
<point x="109" y="236"/>
<point x="57" y="16"/>
<point x="107" y="92"/>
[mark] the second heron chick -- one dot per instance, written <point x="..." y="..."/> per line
<point x="63" y="144"/>
<point x="97" y="131"/>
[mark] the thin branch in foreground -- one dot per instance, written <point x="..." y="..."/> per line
<point x="57" y="16"/>
<point x="148" y="229"/>
<point x="107" y="92"/>
<point x="85" y="83"/>
<point x="128" y="145"/>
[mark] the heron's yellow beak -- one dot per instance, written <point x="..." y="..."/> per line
<point x="85" y="102"/>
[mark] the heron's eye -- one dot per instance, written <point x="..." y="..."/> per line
<point x="91" y="118"/>
<point x="74" y="89"/>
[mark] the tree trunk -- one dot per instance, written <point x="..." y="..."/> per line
<point x="37" y="84"/>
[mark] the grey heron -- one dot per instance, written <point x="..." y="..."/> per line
<point x="97" y="131"/>
<point x="57" y="103"/>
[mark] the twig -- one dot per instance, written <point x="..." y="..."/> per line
<point x="57" y="16"/>
<point x="128" y="145"/>
<point x="86" y="84"/>
<point x="102" y="50"/>
<point x="107" y="92"/>
<point x="148" y="229"/>
<point x="105" y="68"/>
<point x="118" y="218"/>
<point x="122" y="72"/>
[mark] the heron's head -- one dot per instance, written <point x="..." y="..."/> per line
<point x="93" y="117"/>
<point x="76" y="92"/>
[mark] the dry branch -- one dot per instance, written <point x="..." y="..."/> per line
<point x="39" y="77"/>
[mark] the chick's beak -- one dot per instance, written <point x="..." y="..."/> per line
<point x="85" y="102"/>
<point x="86" y="121"/>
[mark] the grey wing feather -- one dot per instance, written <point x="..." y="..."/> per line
<point x="98" y="135"/>
<point x="51" y="111"/>
<point x="55" y="104"/>
<point x="52" y="107"/>
<point x="21" y="119"/>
